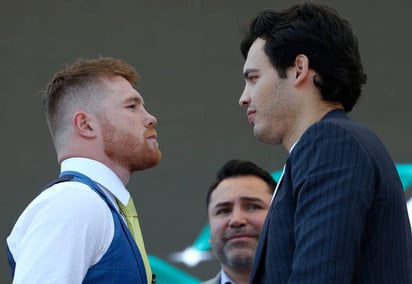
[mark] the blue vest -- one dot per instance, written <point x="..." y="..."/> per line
<point x="122" y="262"/>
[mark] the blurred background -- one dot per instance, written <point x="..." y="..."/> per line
<point x="187" y="53"/>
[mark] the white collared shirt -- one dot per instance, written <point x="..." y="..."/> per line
<point x="224" y="278"/>
<point x="283" y="172"/>
<point x="67" y="228"/>
<point x="409" y="204"/>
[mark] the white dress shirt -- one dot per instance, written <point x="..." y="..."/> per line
<point x="283" y="172"/>
<point x="67" y="228"/>
<point x="410" y="211"/>
<point x="225" y="279"/>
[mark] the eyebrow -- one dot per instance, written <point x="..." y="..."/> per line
<point x="136" y="100"/>
<point x="242" y="198"/>
<point x="248" y="71"/>
<point x="251" y="199"/>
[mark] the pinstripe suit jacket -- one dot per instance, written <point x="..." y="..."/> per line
<point x="339" y="215"/>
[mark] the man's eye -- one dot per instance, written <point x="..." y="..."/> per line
<point x="132" y="106"/>
<point x="253" y="207"/>
<point x="222" y="211"/>
<point x="252" y="79"/>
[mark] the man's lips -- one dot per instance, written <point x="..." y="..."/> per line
<point x="152" y="138"/>
<point x="251" y="116"/>
<point x="152" y="135"/>
<point x="239" y="237"/>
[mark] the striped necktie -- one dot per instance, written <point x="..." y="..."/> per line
<point x="129" y="212"/>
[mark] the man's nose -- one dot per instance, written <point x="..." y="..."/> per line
<point x="150" y="120"/>
<point x="238" y="219"/>
<point x="244" y="98"/>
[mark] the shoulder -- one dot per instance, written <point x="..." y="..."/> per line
<point x="337" y="150"/>
<point x="340" y="135"/>
<point x="339" y="124"/>
<point x="68" y="210"/>
<point x="72" y="200"/>
<point x="214" y="280"/>
<point x="333" y="134"/>
<point x="68" y="224"/>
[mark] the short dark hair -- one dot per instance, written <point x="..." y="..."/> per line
<point x="237" y="168"/>
<point x="318" y="32"/>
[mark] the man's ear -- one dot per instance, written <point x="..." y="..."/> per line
<point x="84" y="124"/>
<point x="301" y="68"/>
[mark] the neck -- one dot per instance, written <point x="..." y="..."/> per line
<point x="240" y="277"/>
<point x="305" y="120"/>
<point x="121" y="172"/>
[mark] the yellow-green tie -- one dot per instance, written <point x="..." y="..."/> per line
<point x="130" y="213"/>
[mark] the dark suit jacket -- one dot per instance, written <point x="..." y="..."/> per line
<point x="339" y="215"/>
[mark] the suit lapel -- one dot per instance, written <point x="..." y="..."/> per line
<point x="261" y="249"/>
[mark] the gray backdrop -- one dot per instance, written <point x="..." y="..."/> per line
<point x="187" y="52"/>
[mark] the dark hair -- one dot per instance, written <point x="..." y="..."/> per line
<point x="318" y="32"/>
<point x="237" y="168"/>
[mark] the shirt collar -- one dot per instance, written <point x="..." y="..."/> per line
<point x="225" y="278"/>
<point x="99" y="173"/>
<point x="293" y="146"/>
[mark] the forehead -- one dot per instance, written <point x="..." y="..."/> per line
<point x="234" y="188"/>
<point x="121" y="89"/>
<point x="256" y="57"/>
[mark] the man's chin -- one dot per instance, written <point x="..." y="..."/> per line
<point x="259" y="134"/>
<point x="265" y="137"/>
<point x="148" y="162"/>
<point x="159" y="157"/>
<point x="241" y="259"/>
<point x="241" y="251"/>
<point x="156" y="156"/>
<point x="154" y="162"/>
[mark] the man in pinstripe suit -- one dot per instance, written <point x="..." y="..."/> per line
<point x="339" y="213"/>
